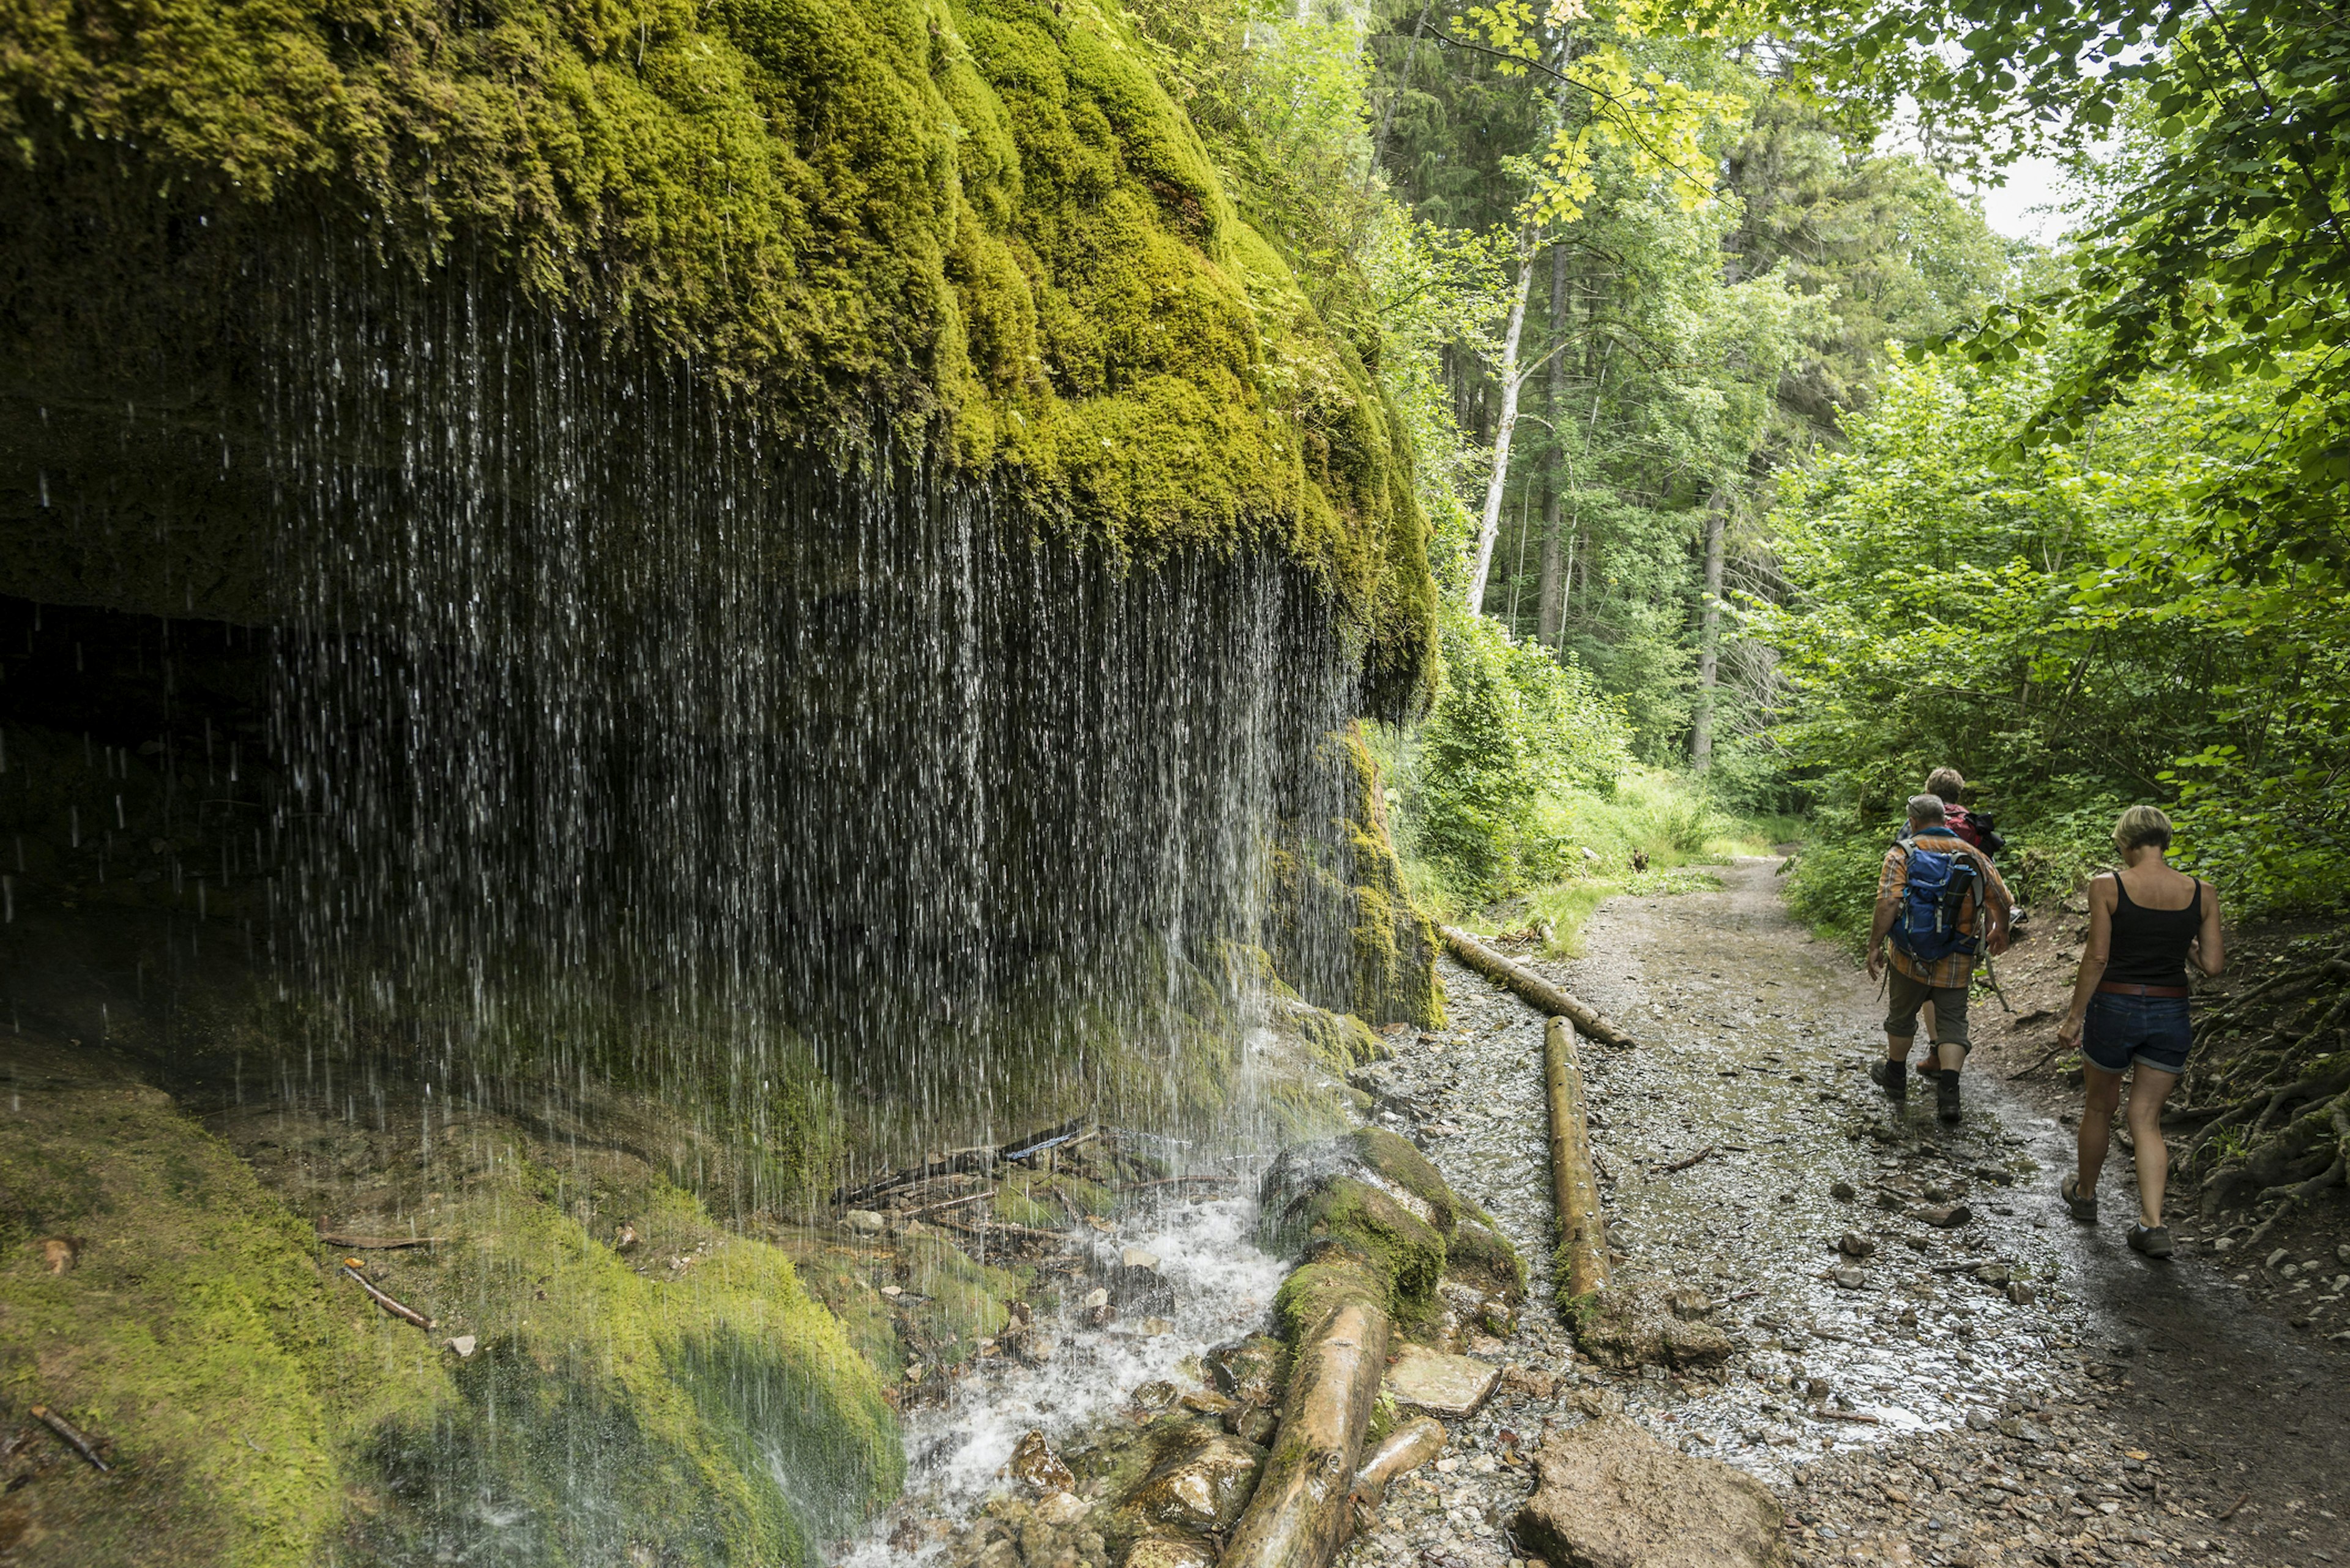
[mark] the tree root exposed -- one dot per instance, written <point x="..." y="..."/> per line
<point x="2282" y="1131"/>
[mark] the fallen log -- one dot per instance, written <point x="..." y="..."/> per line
<point x="373" y="1243"/>
<point x="1550" y="999"/>
<point x="1582" y="1229"/>
<point x="70" y="1438"/>
<point x="1300" y="1515"/>
<point x="398" y="1310"/>
<point x="1407" y="1448"/>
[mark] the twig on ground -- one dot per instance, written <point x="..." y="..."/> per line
<point x="1685" y="1164"/>
<point x="398" y="1310"/>
<point x="983" y="1192"/>
<point x="2045" y="1057"/>
<point x="72" y="1439"/>
<point x="375" y="1243"/>
<point x="2230" y="1511"/>
<point x="1176" y="1181"/>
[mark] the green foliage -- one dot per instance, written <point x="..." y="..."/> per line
<point x="1512" y="726"/>
<point x="2058" y="631"/>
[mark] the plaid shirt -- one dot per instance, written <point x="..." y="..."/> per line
<point x="1957" y="971"/>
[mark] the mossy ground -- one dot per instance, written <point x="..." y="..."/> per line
<point x="679" y="1393"/>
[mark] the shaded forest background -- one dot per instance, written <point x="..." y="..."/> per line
<point x="1766" y="476"/>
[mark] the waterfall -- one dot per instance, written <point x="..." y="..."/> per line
<point x="627" y="741"/>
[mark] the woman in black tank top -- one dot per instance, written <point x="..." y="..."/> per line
<point x="2129" y="1010"/>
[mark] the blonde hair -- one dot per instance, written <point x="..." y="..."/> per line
<point x="2142" y="825"/>
<point x="1946" y="783"/>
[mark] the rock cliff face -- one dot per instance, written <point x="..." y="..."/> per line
<point x="977" y="228"/>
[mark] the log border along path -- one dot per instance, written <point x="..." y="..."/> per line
<point x="1549" y="1000"/>
<point x="1582" y="1228"/>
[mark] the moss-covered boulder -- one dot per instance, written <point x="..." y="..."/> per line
<point x="1366" y="1212"/>
<point x="184" y="1321"/>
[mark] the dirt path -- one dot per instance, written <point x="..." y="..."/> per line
<point x="1922" y="1410"/>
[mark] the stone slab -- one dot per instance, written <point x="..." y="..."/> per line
<point x="1451" y="1387"/>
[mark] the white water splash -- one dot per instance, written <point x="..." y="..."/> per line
<point x="956" y="1453"/>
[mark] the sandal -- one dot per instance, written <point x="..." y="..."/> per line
<point x="2081" y="1207"/>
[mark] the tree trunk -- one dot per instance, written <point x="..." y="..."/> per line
<point x="1582" y="1230"/>
<point x="1550" y="607"/>
<point x="1403" y="80"/>
<point x="1489" y="527"/>
<point x="1708" y="651"/>
<point x="1299" y="1515"/>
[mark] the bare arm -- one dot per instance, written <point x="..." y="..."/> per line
<point x="2208" y="952"/>
<point x="2093" y="960"/>
<point x="1888" y="904"/>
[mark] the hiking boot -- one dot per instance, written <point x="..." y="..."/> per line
<point x="2154" y="1241"/>
<point x="1893" y="1077"/>
<point x="2080" y="1207"/>
<point x="1946" y="1096"/>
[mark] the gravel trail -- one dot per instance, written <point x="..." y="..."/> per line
<point x="1969" y="1394"/>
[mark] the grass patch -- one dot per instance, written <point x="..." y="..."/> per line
<point x="1655" y="832"/>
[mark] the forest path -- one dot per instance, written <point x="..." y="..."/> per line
<point x="1915" y="1412"/>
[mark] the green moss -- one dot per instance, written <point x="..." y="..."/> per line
<point x="1477" y="1254"/>
<point x="193" y="1337"/>
<point x="1315" y="1289"/>
<point x="1390" y="972"/>
<point x="260" y="1407"/>
<point x="963" y="1301"/>
<point x="612" y="1406"/>
<point x="983" y="217"/>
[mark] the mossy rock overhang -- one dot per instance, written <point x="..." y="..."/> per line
<point x="976" y="228"/>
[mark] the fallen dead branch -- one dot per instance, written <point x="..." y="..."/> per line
<point x="980" y="1196"/>
<point x="398" y="1309"/>
<point x="1845" y="1416"/>
<point x="1550" y="999"/>
<point x="71" y="1437"/>
<point x="373" y="1243"/>
<point x="1582" y="1230"/>
<point x="2045" y="1057"/>
<point x="1177" y="1181"/>
<point x="1685" y="1164"/>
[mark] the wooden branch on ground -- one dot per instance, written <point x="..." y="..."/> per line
<point x="71" y="1437"/>
<point x="1582" y="1229"/>
<point x="1176" y="1181"/>
<point x="984" y="1192"/>
<point x="1844" y="1415"/>
<point x="374" y="1243"/>
<point x="1550" y="999"/>
<point x="2045" y="1057"/>
<point x="1685" y="1164"/>
<point x="404" y="1312"/>
<point x="1300" y="1515"/>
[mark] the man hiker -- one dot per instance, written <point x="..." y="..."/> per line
<point x="1948" y="783"/>
<point x="1940" y="905"/>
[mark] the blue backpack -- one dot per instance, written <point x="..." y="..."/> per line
<point x="1925" y="926"/>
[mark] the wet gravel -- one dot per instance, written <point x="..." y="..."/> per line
<point x="1945" y="1398"/>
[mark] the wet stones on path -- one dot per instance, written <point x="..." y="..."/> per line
<point x="1915" y="1362"/>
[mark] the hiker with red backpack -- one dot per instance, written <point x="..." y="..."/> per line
<point x="1948" y="784"/>
<point x="1941" y="906"/>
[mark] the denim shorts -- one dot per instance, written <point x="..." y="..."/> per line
<point x="2150" y="1030"/>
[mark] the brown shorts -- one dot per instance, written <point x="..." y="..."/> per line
<point x="1905" y="996"/>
